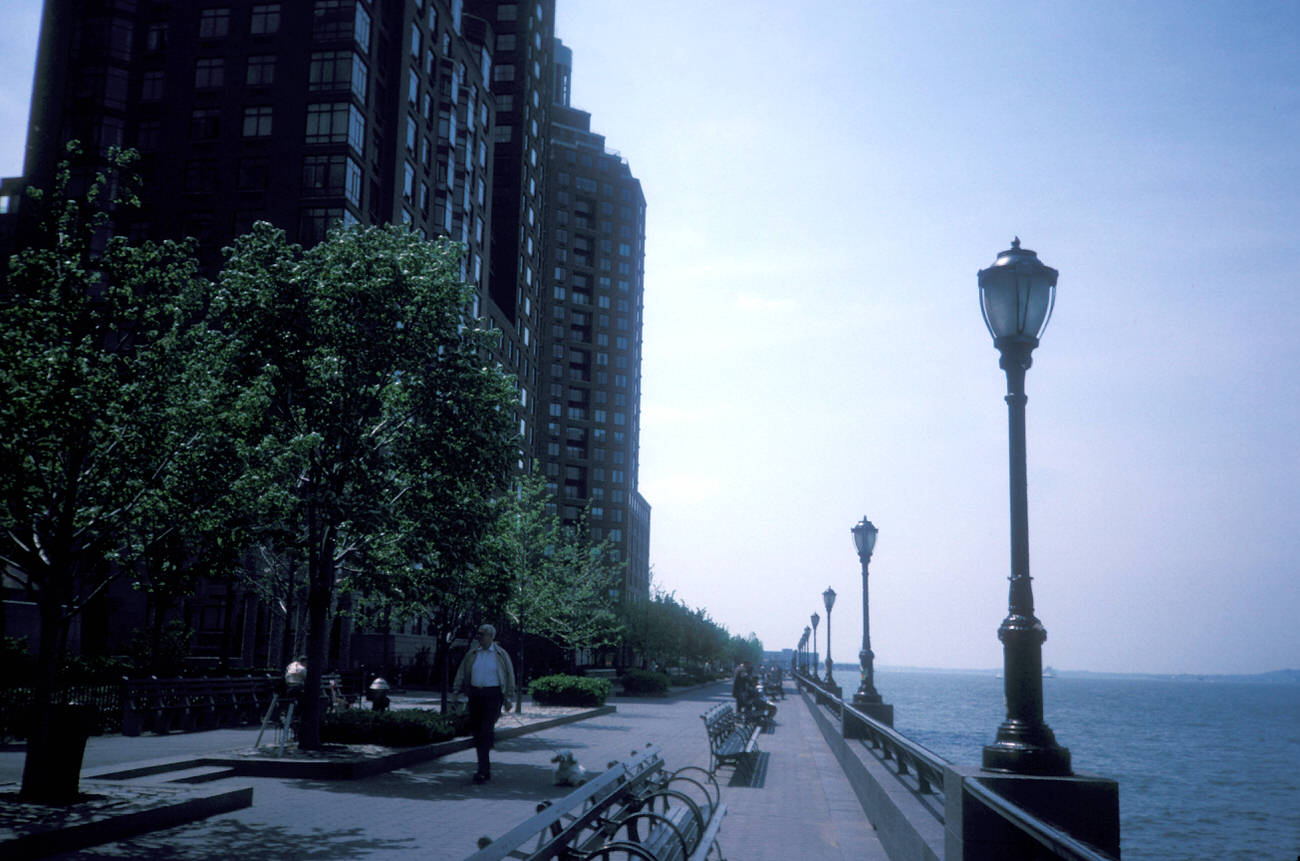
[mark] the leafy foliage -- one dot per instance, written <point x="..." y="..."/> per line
<point x="103" y="397"/>
<point x="637" y="681"/>
<point x="561" y="584"/>
<point x="401" y="728"/>
<point x="375" y="435"/>
<point x="562" y="690"/>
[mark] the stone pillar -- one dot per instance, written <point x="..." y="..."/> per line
<point x="1085" y="807"/>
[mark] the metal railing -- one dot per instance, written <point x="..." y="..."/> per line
<point x="907" y="757"/>
<point x="928" y="769"/>
<point x="1056" y="841"/>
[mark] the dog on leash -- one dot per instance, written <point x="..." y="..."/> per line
<point x="567" y="770"/>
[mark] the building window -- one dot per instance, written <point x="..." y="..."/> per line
<point x="315" y="222"/>
<point x="323" y="175"/>
<point x="353" y="188"/>
<point x="148" y="134"/>
<point x="201" y="175"/>
<point x="257" y="122"/>
<point x="214" y="23"/>
<point x="329" y="70"/>
<point x="408" y="182"/>
<point x="361" y="29"/>
<point x="357" y="129"/>
<point x="413" y="88"/>
<point x="360" y="77"/>
<point x="507" y="12"/>
<point x="151" y="87"/>
<point x="261" y="71"/>
<point x="254" y="174"/>
<point x="265" y="19"/>
<point x="327" y="123"/>
<point x="205" y="124"/>
<point x="209" y="73"/>
<point x="504" y="72"/>
<point x="156" y="37"/>
<point x="332" y="19"/>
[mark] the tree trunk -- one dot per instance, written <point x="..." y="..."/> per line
<point x="49" y="775"/>
<point x="321" y="592"/>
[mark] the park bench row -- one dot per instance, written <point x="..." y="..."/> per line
<point x="733" y="738"/>
<point x="635" y="809"/>
<point x="162" y="705"/>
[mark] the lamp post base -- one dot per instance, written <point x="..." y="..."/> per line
<point x="1050" y="760"/>
<point x="877" y="711"/>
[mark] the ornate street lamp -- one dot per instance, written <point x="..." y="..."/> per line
<point x="828" y="598"/>
<point x="814" y="619"/>
<point x="1017" y="294"/>
<point x="803" y="644"/>
<point x="864" y="539"/>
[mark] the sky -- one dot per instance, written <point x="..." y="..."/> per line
<point x="823" y="181"/>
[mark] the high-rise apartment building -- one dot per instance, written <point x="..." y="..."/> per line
<point x="595" y="218"/>
<point x="450" y="116"/>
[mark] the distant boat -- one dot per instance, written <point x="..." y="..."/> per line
<point x="1049" y="673"/>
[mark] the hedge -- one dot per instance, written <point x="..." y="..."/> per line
<point x="401" y="728"/>
<point x="561" y="690"/>
<point x="636" y="681"/>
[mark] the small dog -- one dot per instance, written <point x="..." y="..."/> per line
<point x="568" y="772"/>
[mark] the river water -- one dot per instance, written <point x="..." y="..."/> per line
<point x="1206" y="770"/>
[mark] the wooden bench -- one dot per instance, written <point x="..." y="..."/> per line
<point x="635" y="809"/>
<point x="732" y="739"/>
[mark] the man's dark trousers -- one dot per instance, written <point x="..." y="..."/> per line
<point x="484" y="709"/>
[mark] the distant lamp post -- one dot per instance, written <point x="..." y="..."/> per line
<point x="814" y="619"/>
<point x="864" y="539"/>
<point x="807" y="632"/>
<point x="1016" y="294"/>
<point x="828" y="598"/>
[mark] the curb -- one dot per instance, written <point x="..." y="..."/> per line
<point x="194" y="804"/>
<point x="326" y="769"/>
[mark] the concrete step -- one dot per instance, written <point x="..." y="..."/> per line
<point x="197" y="774"/>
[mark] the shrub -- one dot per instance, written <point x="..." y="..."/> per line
<point x="569" y="691"/>
<point x="402" y="728"/>
<point x="637" y="681"/>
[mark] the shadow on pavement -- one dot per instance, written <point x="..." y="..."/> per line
<point x="753" y="776"/>
<point x="451" y="781"/>
<point x="230" y="839"/>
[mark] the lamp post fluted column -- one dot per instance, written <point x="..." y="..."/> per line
<point x="828" y="598"/>
<point x="1017" y="293"/>
<point x="814" y="618"/>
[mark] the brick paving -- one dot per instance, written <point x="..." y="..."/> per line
<point x="797" y="804"/>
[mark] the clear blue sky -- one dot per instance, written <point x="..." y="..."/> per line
<point x="823" y="180"/>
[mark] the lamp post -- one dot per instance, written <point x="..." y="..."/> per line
<point x="828" y="598"/>
<point x="814" y="619"/>
<point x="1016" y="295"/>
<point x="864" y="539"/>
<point x="807" y="632"/>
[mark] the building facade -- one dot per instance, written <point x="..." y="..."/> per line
<point x="437" y="114"/>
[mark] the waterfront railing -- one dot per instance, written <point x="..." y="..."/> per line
<point x="963" y="801"/>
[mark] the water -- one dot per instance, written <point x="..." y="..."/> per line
<point x="1206" y="770"/>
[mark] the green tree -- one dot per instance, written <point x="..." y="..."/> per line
<point x="561" y="585"/>
<point x="102" y="398"/>
<point x="364" y="375"/>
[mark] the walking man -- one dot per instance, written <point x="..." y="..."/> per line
<point x="488" y="677"/>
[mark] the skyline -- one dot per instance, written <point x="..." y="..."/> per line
<point x="822" y="184"/>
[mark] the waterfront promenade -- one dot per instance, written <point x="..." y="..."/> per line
<point x="798" y="804"/>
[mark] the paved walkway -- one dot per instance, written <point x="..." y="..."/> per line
<point x="798" y="804"/>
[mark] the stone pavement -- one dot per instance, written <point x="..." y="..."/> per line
<point x="797" y="804"/>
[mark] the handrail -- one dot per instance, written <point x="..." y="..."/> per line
<point x="1061" y="844"/>
<point x="909" y="756"/>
